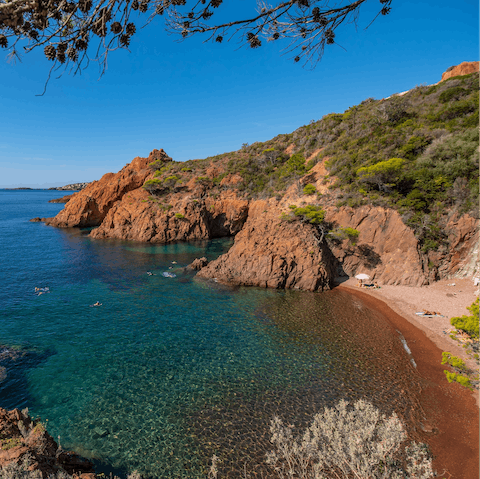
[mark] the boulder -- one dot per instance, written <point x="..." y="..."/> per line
<point x="273" y="253"/>
<point x="198" y="263"/>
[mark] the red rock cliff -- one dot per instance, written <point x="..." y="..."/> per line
<point x="90" y="206"/>
<point x="272" y="253"/>
<point x="23" y="438"/>
<point x="463" y="69"/>
<point x="267" y="252"/>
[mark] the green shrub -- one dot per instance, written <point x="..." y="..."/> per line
<point x="170" y="181"/>
<point x="312" y="214"/>
<point x="382" y="173"/>
<point x="414" y="146"/>
<point x="179" y="216"/>
<point x="203" y="180"/>
<point x="468" y="324"/>
<point x="351" y="233"/>
<point x="450" y="376"/>
<point x="153" y="185"/>
<point x="186" y="169"/>
<point x="296" y="164"/>
<point x="452" y="93"/>
<point x="309" y="189"/>
<point x="288" y="217"/>
<point x="462" y="380"/>
<point x="454" y="361"/>
<point x="458" y="109"/>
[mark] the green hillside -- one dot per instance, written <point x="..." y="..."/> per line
<point x="416" y="152"/>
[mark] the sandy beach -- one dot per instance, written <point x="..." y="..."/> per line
<point x="452" y="410"/>
<point x="450" y="298"/>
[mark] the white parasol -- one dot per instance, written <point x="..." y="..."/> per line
<point x="362" y="276"/>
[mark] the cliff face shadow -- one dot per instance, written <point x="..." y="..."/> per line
<point x="369" y="255"/>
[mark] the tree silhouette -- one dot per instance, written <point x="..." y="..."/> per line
<point x="74" y="32"/>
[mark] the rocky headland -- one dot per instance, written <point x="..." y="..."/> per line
<point x="383" y="223"/>
<point x="27" y="448"/>
<point x="71" y="187"/>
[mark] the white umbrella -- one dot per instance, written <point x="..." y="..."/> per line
<point x="362" y="276"/>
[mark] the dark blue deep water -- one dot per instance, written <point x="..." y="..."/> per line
<point x="169" y="371"/>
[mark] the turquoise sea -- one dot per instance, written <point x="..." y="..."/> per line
<point x="169" y="371"/>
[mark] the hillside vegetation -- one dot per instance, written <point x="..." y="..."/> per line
<point x="416" y="152"/>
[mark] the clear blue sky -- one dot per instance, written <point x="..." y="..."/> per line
<point x="197" y="99"/>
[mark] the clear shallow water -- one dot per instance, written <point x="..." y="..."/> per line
<point x="169" y="371"/>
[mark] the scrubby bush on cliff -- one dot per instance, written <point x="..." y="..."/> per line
<point x="154" y="185"/>
<point x="348" y="441"/>
<point x="434" y="130"/>
<point x="468" y="324"/>
<point x="309" y="189"/>
<point x="310" y="213"/>
<point x="384" y="174"/>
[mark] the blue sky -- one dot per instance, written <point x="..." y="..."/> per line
<point x="197" y="99"/>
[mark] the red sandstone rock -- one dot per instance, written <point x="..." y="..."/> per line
<point x="463" y="69"/>
<point x="137" y="218"/>
<point x="20" y="436"/>
<point x="63" y="199"/>
<point x="272" y="253"/>
<point x="386" y="249"/>
<point x="267" y="252"/>
<point x="90" y="206"/>
<point x="198" y="263"/>
<point x="463" y="256"/>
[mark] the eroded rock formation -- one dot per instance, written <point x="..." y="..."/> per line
<point x="135" y="217"/>
<point x="386" y="249"/>
<point x="22" y="438"/>
<point x="463" y="69"/>
<point x="269" y="252"/>
<point x="90" y="206"/>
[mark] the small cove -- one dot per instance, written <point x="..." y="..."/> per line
<point x="172" y="370"/>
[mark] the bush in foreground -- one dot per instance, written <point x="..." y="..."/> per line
<point x="348" y="441"/>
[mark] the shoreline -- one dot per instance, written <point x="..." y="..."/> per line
<point x="452" y="410"/>
<point x="440" y="296"/>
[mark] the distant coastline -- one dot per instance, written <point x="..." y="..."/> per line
<point x="71" y="187"/>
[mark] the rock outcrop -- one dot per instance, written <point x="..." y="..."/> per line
<point x="463" y="69"/>
<point x="63" y="199"/>
<point x="90" y="206"/>
<point x="386" y="248"/>
<point x="135" y="217"/>
<point x="267" y="252"/>
<point x="23" y="438"/>
<point x="463" y="257"/>
<point x="198" y="263"/>
<point x="272" y="253"/>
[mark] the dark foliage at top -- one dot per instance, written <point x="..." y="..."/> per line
<point x="72" y="33"/>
